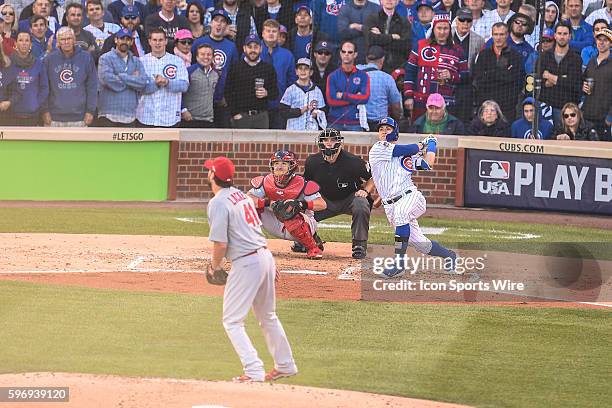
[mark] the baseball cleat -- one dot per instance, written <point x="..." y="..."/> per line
<point x="275" y="375"/>
<point x="244" y="379"/>
<point x="314" y="253"/>
<point x="297" y="247"/>
<point x="359" y="252"/>
<point x="451" y="268"/>
<point x="392" y="273"/>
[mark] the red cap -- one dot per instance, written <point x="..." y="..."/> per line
<point x="222" y="167"/>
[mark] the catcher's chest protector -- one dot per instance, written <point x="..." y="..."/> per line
<point x="291" y="192"/>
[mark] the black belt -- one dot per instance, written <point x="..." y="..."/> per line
<point x="396" y="198"/>
<point x="249" y="254"/>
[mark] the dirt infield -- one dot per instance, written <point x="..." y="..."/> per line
<point x="104" y="391"/>
<point x="175" y="264"/>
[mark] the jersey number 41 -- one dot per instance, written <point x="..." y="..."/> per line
<point x="251" y="216"/>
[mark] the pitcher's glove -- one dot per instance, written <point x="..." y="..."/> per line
<point x="216" y="277"/>
<point x="286" y="210"/>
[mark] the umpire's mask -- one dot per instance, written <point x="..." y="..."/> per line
<point x="330" y="143"/>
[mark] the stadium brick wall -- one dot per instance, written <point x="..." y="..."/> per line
<point x="251" y="160"/>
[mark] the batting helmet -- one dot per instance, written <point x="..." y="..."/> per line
<point x="285" y="156"/>
<point x="393" y="135"/>
<point x="330" y="133"/>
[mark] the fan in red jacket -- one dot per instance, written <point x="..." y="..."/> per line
<point x="436" y="66"/>
<point x="283" y="184"/>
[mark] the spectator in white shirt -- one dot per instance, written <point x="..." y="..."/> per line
<point x="160" y="104"/>
<point x="604" y="12"/>
<point x="302" y="102"/>
<point x="100" y="29"/>
<point x="501" y="14"/>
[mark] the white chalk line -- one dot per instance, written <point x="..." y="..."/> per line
<point x="460" y="232"/>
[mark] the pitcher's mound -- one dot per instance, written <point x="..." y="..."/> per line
<point x="105" y="391"/>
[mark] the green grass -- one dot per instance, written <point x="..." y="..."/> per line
<point x="483" y="356"/>
<point x="487" y="235"/>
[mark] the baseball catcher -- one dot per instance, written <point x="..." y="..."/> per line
<point x="287" y="203"/>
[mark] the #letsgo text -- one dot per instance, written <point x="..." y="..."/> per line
<point x="128" y="136"/>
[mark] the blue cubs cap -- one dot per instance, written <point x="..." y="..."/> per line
<point x="252" y="38"/>
<point x="221" y="13"/>
<point x="123" y="33"/>
<point x="424" y="3"/>
<point x="130" y="11"/>
<point x="548" y="33"/>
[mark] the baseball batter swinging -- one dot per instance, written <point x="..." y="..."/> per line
<point x="235" y="231"/>
<point x="392" y="166"/>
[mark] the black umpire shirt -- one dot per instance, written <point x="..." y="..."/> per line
<point x="340" y="179"/>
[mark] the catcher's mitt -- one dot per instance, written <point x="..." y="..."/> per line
<point x="286" y="210"/>
<point x="216" y="277"/>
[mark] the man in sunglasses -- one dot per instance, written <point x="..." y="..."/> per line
<point x="471" y="43"/>
<point x="518" y="26"/>
<point x="122" y="78"/>
<point x="323" y="65"/>
<point x="116" y="9"/>
<point x="130" y="19"/>
<point x="547" y="44"/>
<point x="347" y="88"/>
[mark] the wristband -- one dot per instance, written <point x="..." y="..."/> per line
<point x="431" y="146"/>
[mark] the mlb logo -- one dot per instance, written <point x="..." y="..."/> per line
<point x="494" y="169"/>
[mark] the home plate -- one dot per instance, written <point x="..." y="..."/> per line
<point x="349" y="274"/>
<point x="305" y="272"/>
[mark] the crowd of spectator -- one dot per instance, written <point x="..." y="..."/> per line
<point x="459" y="67"/>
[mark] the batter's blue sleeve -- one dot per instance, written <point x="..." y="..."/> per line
<point x="405" y="150"/>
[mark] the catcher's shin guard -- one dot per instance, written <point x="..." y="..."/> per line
<point x="298" y="227"/>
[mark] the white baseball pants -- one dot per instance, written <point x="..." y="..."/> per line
<point x="250" y="283"/>
<point x="406" y="211"/>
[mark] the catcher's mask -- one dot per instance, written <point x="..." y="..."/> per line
<point x="330" y="153"/>
<point x="283" y="165"/>
<point x="393" y="135"/>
